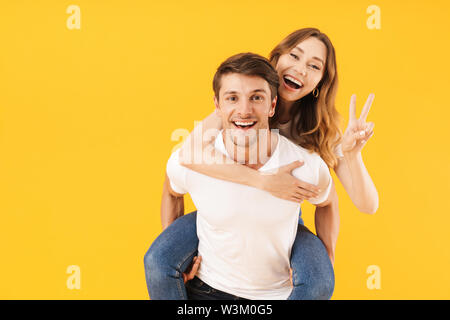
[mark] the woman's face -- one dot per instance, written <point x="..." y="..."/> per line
<point x="301" y="69"/>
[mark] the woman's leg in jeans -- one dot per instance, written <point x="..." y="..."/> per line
<point x="169" y="256"/>
<point x="312" y="271"/>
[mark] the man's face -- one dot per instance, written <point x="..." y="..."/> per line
<point x="245" y="106"/>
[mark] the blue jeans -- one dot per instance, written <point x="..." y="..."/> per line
<point x="173" y="250"/>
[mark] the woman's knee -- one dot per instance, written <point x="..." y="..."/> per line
<point x="155" y="263"/>
<point x="320" y="287"/>
<point x="172" y="249"/>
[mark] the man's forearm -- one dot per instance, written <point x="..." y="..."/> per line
<point x="171" y="207"/>
<point x="327" y="224"/>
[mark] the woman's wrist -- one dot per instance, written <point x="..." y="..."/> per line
<point x="352" y="156"/>
<point x="260" y="181"/>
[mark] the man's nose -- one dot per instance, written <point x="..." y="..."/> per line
<point x="245" y="108"/>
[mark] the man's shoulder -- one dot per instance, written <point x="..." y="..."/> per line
<point x="174" y="159"/>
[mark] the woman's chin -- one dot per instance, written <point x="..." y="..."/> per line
<point x="291" y="97"/>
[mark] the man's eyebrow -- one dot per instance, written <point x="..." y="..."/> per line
<point x="229" y="92"/>
<point x="259" y="90"/>
<point x="234" y="91"/>
<point x="316" y="58"/>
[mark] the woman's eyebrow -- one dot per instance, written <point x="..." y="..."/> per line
<point x="316" y="58"/>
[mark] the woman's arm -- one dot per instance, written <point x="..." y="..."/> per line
<point x="356" y="180"/>
<point x="351" y="170"/>
<point x="199" y="154"/>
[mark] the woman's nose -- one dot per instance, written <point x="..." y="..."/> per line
<point x="300" y="69"/>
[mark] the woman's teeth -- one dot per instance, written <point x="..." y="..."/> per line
<point x="294" y="83"/>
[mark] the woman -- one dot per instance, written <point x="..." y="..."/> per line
<point x="306" y="114"/>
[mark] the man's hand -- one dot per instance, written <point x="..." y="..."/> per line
<point x="191" y="271"/>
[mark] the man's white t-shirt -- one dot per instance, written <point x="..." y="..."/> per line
<point x="246" y="234"/>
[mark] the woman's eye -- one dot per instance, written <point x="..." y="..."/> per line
<point x="294" y="56"/>
<point x="314" y="67"/>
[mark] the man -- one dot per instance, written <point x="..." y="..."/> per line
<point x="245" y="234"/>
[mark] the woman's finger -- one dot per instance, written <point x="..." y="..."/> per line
<point x="305" y="194"/>
<point x="352" y="112"/>
<point x="360" y="135"/>
<point x="308" y="187"/>
<point x="369" y="135"/>
<point x="366" y="108"/>
<point x="369" y="126"/>
<point x="296" y="198"/>
<point x="291" y="166"/>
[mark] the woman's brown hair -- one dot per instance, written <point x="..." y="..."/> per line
<point x="315" y="121"/>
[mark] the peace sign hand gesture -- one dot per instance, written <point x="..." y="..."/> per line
<point x="358" y="130"/>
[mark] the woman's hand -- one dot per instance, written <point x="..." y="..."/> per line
<point x="282" y="184"/>
<point x="358" y="130"/>
<point x="191" y="271"/>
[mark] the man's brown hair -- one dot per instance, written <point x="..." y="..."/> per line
<point x="249" y="64"/>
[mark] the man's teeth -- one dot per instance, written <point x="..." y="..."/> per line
<point x="244" y="124"/>
<point x="294" y="80"/>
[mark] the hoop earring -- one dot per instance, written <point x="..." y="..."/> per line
<point x="315" y="92"/>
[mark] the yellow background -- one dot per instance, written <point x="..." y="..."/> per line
<point x="86" y="118"/>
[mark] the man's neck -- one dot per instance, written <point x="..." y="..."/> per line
<point x="254" y="155"/>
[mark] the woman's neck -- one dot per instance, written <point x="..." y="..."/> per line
<point x="284" y="110"/>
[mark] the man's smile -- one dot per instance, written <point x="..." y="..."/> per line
<point x="244" y="124"/>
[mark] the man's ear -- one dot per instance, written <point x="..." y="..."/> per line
<point x="216" y="103"/>
<point x="273" y="106"/>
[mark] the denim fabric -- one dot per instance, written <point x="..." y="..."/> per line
<point x="170" y="255"/>
<point x="312" y="271"/>
<point x="173" y="250"/>
<point x="198" y="290"/>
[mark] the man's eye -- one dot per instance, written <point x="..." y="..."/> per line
<point x="232" y="99"/>
<point x="257" y="98"/>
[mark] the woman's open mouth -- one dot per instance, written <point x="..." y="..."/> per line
<point x="292" y="83"/>
<point x="245" y="125"/>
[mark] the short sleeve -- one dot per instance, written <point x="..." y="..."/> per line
<point x="324" y="176"/>
<point x="176" y="173"/>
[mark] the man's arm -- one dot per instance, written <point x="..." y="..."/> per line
<point x="172" y="204"/>
<point x="172" y="207"/>
<point x="327" y="211"/>
<point x="327" y="222"/>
